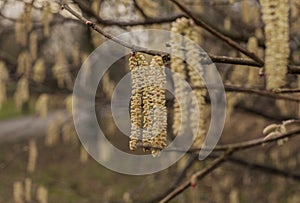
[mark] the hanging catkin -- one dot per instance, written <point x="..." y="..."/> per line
<point x="192" y="70"/>
<point x="275" y="17"/>
<point x="21" y="35"/>
<point x="60" y="70"/>
<point x="195" y="71"/>
<point x="18" y="192"/>
<point x="136" y="62"/>
<point x="32" y="156"/>
<point x="39" y="71"/>
<point x="24" y="63"/>
<point x="148" y="111"/>
<point x="158" y="115"/>
<point x="27" y="189"/>
<point x="180" y="112"/>
<point x="42" y="194"/>
<point x="41" y="105"/>
<point x="3" y="93"/>
<point x="33" y="45"/>
<point x="4" y="76"/>
<point x="27" y="16"/>
<point x="46" y="18"/>
<point x="22" y="92"/>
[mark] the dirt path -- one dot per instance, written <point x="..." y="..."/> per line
<point x="23" y="127"/>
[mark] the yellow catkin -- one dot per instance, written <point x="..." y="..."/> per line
<point x="180" y="112"/>
<point x="245" y="11"/>
<point x="4" y="76"/>
<point x="3" y="93"/>
<point x="84" y="156"/>
<point x="52" y="133"/>
<point x="96" y="6"/>
<point x="46" y="18"/>
<point x="158" y="114"/>
<point x="195" y="71"/>
<point x="76" y="55"/>
<point x="39" y="71"/>
<point x="33" y="154"/>
<point x="33" y="45"/>
<point x="24" y="63"/>
<point x="275" y="15"/>
<point x="22" y="92"/>
<point x="148" y="109"/>
<point x="42" y="194"/>
<point x="68" y="103"/>
<point x="27" y="16"/>
<point x="227" y="23"/>
<point x="20" y="32"/>
<point x="59" y="70"/>
<point x="136" y="62"/>
<point x="18" y="192"/>
<point x="27" y="190"/>
<point x="41" y="105"/>
<point x="252" y="46"/>
<point x="68" y="132"/>
<point x="108" y="85"/>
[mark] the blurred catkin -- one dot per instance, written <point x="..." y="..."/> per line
<point x="22" y="92"/>
<point x="46" y="18"/>
<point x="275" y="15"/>
<point x="28" y="184"/>
<point x="42" y="194"/>
<point x="4" y="77"/>
<point x="18" y="192"/>
<point x="41" y="105"/>
<point x="32" y="156"/>
<point x="39" y="71"/>
<point x="180" y="112"/>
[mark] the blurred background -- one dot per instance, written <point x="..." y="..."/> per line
<point x="42" y="48"/>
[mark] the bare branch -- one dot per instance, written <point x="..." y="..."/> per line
<point x="149" y="21"/>
<point x="251" y="143"/>
<point x="265" y="169"/>
<point x="197" y="176"/>
<point x="252" y="90"/>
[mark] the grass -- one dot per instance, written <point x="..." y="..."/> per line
<point x="9" y="110"/>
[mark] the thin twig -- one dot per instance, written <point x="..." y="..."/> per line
<point x="251" y="90"/>
<point x="149" y="21"/>
<point x="108" y="36"/>
<point x="282" y="91"/>
<point x="232" y="60"/>
<point x="197" y="176"/>
<point x="265" y="169"/>
<point x="250" y="143"/>
<point x="137" y="6"/>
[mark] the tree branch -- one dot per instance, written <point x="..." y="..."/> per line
<point x="265" y="169"/>
<point x="251" y="90"/>
<point x="251" y="143"/>
<point x="197" y="176"/>
<point x="149" y="21"/>
<point x="137" y="6"/>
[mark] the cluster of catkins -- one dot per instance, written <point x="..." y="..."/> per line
<point x="275" y="15"/>
<point x="186" y="64"/>
<point x="148" y="111"/>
